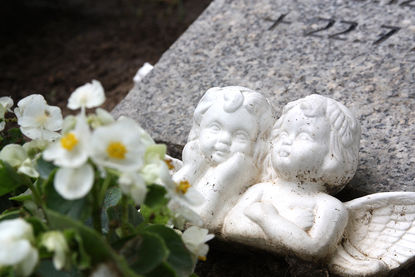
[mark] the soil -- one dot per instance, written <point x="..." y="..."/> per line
<point x="53" y="46"/>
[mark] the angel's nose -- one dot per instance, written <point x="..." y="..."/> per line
<point x="224" y="137"/>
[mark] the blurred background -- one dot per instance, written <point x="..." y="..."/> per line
<point x="53" y="46"/>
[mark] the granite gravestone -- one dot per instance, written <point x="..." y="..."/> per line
<point x="359" y="52"/>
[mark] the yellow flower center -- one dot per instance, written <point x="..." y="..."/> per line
<point x="116" y="150"/>
<point x="202" y="258"/>
<point x="169" y="164"/>
<point x="69" y="141"/>
<point x="183" y="186"/>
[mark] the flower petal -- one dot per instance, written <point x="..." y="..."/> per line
<point x="74" y="183"/>
<point x="89" y="95"/>
<point x="26" y="267"/>
<point x="6" y="102"/>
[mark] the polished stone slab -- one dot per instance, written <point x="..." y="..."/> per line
<point x="359" y="52"/>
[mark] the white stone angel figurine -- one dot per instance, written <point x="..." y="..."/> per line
<point x="314" y="151"/>
<point x="230" y="125"/>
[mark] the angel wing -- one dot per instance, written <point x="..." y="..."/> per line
<point x="379" y="236"/>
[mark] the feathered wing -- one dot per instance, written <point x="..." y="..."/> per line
<point x="379" y="236"/>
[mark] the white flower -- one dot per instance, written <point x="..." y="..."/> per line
<point x="34" y="147"/>
<point x="120" y="145"/>
<point x="100" y="118"/>
<point x="133" y="184"/>
<point x="13" y="154"/>
<point x="16" y="156"/>
<point x="71" y="150"/>
<point x="69" y="123"/>
<point x="38" y="120"/>
<point x="15" y="246"/>
<point x="74" y="183"/>
<point x="183" y="197"/>
<point x="195" y="239"/>
<point x="103" y="270"/>
<point x="6" y="102"/>
<point x="54" y="241"/>
<point x="89" y="95"/>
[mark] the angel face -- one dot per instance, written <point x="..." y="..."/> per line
<point x="301" y="145"/>
<point x="222" y="134"/>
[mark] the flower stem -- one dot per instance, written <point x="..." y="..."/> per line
<point x="96" y="212"/>
<point x="124" y="216"/>
<point x="103" y="190"/>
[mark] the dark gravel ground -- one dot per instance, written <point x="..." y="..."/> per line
<point x="53" y="46"/>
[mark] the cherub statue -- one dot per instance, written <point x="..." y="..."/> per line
<point x="230" y="125"/>
<point x="314" y="151"/>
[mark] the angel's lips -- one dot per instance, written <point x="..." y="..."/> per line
<point x="283" y="153"/>
<point x="221" y="153"/>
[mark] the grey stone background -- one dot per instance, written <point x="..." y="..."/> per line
<point x="239" y="43"/>
<point x="352" y="59"/>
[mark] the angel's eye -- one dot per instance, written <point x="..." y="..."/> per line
<point x="214" y="126"/>
<point x="241" y="135"/>
<point x="304" y="136"/>
<point x="281" y="135"/>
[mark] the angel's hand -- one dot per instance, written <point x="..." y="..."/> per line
<point x="259" y="211"/>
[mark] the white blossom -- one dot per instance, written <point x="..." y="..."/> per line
<point x="74" y="183"/>
<point x="38" y="120"/>
<point x="133" y="184"/>
<point x="120" y="145"/>
<point x="100" y="118"/>
<point x="72" y="149"/>
<point x="16" y="249"/>
<point x="55" y="242"/>
<point x="6" y="102"/>
<point x="195" y="239"/>
<point x="16" y="156"/>
<point x="90" y="95"/>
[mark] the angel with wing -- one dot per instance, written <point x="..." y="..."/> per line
<point x="314" y="152"/>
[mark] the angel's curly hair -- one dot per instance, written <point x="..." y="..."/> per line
<point x="344" y="139"/>
<point x="233" y="98"/>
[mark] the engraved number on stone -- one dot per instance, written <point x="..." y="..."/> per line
<point x="352" y="26"/>
<point x="385" y="36"/>
<point x="330" y="23"/>
<point x="408" y="4"/>
<point x="278" y="21"/>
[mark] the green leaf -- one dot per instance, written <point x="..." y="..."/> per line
<point x="95" y="245"/>
<point x="159" y="215"/>
<point x="163" y="270"/>
<point x="21" y="197"/>
<point x="112" y="198"/>
<point x="114" y="218"/>
<point x="44" y="168"/>
<point x="156" y="196"/>
<point x="5" y="203"/>
<point x="38" y="226"/>
<point x="9" y="179"/>
<point x="46" y="268"/>
<point x="10" y="214"/>
<point x="13" y="135"/>
<point x="180" y="258"/>
<point x="79" y="257"/>
<point x="145" y="252"/>
<point x="7" y="271"/>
